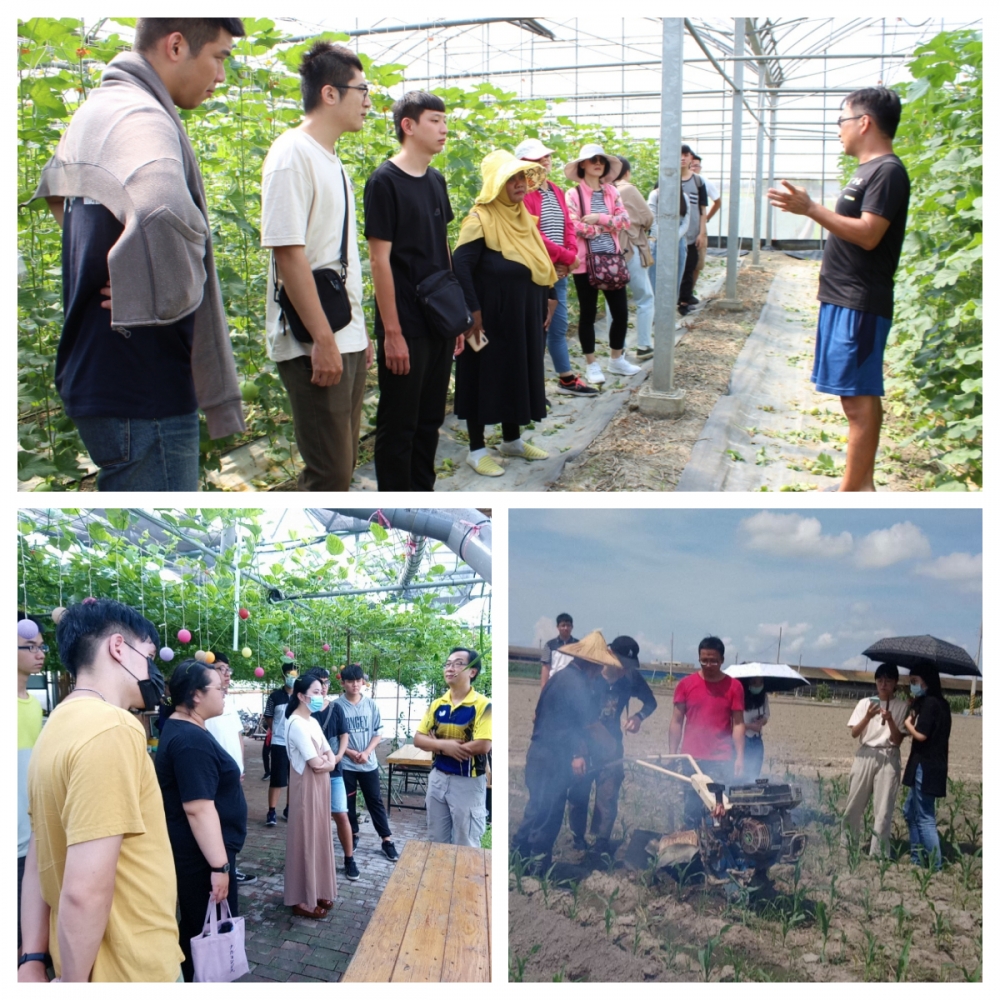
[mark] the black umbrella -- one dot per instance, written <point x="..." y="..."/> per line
<point x="910" y="650"/>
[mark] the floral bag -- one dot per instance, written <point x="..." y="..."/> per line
<point x="607" y="272"/>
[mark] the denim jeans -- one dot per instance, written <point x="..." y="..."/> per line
<point x="137" y="455"/>
<point x="556" y="336"/>
<point x="681" y="257"/>
<point x="642" y="293"/>
<point x="918" y="811"/>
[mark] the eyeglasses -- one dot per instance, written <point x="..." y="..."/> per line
<point x="35" y="649"/>
<point x="363" y="87"/>
<point x="840" y="121"/>
<point x="597" y="159"/>
<point x="456" y="663"/>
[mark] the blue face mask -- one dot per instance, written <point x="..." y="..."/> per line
<point x="917" y="689"/>
<point x="316" y="703"/>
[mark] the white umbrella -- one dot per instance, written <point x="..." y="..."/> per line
<point x="776" y="676"/>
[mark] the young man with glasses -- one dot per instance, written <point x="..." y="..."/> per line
<point x="98" y="870"/>
<point x="864" y="241"/>
<point x="458" y="731"/>
<point x="30" y="660"/>
<point x="145" y="341"/>
<point x="407" y="212"/>
<point x="305" y="192"/>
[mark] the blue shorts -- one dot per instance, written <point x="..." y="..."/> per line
<point x="849" y="349"/>
<point x="338" y="794"/>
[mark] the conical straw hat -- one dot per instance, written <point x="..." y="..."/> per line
<point x="592" y="648"/>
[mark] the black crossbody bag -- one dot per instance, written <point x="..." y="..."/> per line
<point x="330" y="286"/>
<point x="443" y="302"/>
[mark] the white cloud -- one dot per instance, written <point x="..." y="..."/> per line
<point x="545" y="629"/>
<point x="784" y="629"/>
<point x="854" y="663"/>
<point x="888" y="546"/>
<point x="825" y="641"/>
<point x="793" y="535"/>
<point x="960" y="568"/>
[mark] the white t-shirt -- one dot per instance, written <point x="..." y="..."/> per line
<point x="752" y="714"/>
<point x="711" y="190"/>
<point x="300" y="736"/>
<point x="302" y="204"/>
<point x="228" y="731"/>
<point x="877" y="733"/>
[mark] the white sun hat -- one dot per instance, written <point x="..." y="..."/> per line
<point x="588" y="152"/>
<point x="532" y="149"/>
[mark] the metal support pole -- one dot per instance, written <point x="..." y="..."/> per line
<point x="770" y="168"/>
<point x="758" y="193"/>
<point x="662" y="399"/>
<point x="733" y="239"/>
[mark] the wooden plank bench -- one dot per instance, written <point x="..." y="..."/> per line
<point x="432" y="923"/>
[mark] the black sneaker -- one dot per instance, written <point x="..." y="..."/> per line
<point x="265" y="776"/>
<point x="272" y="818"/>
<point x="284" y="815"/>
<point x="580" y="843"/>
<point x="245" y="878"/>
<point x="643" y="353"/>
<point x="576" y="387"/>
<point x="693" y="300"/>
<point x="684" y="310"/>
<point x="389" y="850"/>
<point x="351" y="869"/>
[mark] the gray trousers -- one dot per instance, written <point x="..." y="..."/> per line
<point x="875" y="775"/>
<point x="456" y="809"/>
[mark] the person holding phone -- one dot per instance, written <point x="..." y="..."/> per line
<point x="877" y="724"/>
<point x="509" y="285"/>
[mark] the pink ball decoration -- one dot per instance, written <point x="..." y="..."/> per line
<point x="89" y="600"/>
<point x="289" y="654"/>
<point x="27" y="629"/>
<point x="244" y="614"/>
<point x="184" y="635"/>
<point x="166" y="654"/>
<point x="259" y="672"/>
<point x="326" y="647"/>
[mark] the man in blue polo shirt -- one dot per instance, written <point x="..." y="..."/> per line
<point x="864" y="241"/>
<point x="458" y="730"/>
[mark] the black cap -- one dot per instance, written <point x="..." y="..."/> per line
<point x="687" y="149"/>
<point x="625" y="645"/>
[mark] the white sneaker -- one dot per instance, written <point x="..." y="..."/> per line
<point x="621" y="366"/>
<point x="594" y="374"/>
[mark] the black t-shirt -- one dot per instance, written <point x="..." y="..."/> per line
<point x="934" y="722"/>
<point x="565" y="708"/>
<point x="101" y="372"/>
<point x="191" y="764"/>
<point x="331" y="720"/>
<point x="413" y="214"/>
<point x="852" y="276"/>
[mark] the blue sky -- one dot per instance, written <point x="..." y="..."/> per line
<point x="832" y="581"/>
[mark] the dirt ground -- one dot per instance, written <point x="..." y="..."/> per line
<point x="599" y="919"/>
<point x="639" y="453"/>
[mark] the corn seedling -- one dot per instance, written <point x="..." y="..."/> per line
<point x="833" y="891"/>
<point x="968" y="865"/>
<point x="574" y="888"/>
<point x="737" y="958"/>
<point x="922" y="876"/>
<point x="515" y="964"/>
<point x="707" y="950"/>
<point x="823" y="922"/>
<point x="545" y="884"/>
<point x="609" y="912"/>
<point x="940" y="924"/>
<point x="866" y="903"/>
<point x="903" y="961"/>
<point x="560" y="976"/>
<point x="518" y="868"/>
<point x="854" y="852"/>
<point x="902" y="915"/>
<point x="870" y="954"/>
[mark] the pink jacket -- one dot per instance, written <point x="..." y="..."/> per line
<point x="565" y="254"/>
<point x="608" y="223"/>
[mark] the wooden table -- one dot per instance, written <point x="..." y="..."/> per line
<point x="432" y="923"/>
<point x="408" y="759"/>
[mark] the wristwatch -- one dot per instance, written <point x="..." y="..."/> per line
<point x="224" y="870"/>
<point x="34" y="956"/>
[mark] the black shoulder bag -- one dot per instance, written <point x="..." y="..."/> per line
<point x="330" y="286"/>
<point x="443" y="302"/>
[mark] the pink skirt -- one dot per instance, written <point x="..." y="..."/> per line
<point x="309" y="866"/>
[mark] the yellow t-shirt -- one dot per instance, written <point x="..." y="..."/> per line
<point x="471" y="719"/>
<point x="91" y="777"/>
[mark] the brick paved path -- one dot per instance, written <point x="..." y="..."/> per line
<point x="285" y="948"/>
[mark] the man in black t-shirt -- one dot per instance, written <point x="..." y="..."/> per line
<point x="856" y="280"/>
<point x="407" y="212"/>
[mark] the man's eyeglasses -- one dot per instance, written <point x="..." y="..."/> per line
<point x="35" y="649"/>
<point x="456" y="663"/>
<point x="363" y="87"/>
<point x="840" y="121"/>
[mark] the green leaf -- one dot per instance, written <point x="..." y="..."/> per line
<point x="334" y="545"/>
<point x="379" y="532"/>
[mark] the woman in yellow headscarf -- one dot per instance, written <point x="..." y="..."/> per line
<point x="508" y="280"/>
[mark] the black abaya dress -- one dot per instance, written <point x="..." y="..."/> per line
<point x="505" y="381"/>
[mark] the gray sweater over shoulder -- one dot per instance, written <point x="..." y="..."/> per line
<point x="126" y="148"/>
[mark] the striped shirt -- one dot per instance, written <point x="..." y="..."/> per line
<point x="552" y="222"/>
<point x="602" y="243"/>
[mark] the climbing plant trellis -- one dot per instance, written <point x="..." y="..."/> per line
<point x="66" y="556"/>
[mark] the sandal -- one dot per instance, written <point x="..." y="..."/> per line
<point x="300" y="911"/>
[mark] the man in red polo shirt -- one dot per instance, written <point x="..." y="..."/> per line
<point x="708" y="711"/>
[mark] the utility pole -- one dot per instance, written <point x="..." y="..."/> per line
<point x="777" y="659"/>
<point x="735" y="164"/>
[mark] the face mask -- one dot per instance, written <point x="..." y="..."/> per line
<point x="316" y="703"/>
<point x="151" y="689"/>
<point x="917" y="689"/>
<point x="289" y="680"/>
<point x="756" y="688"/>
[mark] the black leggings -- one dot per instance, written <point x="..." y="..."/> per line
<point x="617" y="303"/>
<point x="687" y="279"/>
<point x="477" y="434"/>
